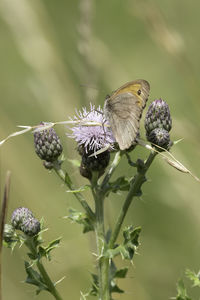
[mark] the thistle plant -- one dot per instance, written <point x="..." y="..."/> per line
<point x="100" y="157"/>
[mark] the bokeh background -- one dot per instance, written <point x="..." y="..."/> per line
<point x="60" y="55"/>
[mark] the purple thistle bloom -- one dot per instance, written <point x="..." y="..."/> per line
<point x="92" y="137"/>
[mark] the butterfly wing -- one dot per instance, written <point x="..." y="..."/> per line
<point x="124" y="109"/>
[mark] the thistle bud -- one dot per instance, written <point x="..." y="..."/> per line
<point x="19" y="215"/>
<point x="23" y="219"/>
<point x="158" y="116"/>
<point x="47" y="144"/>
<point x="160" y="137"/>
<point x="93" y="164"/>
<point x="30" y="226"/>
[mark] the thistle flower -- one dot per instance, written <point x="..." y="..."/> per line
<point x="158" y="116"/>
<point x="47" y="144"/>
<point x="92" y="138"/>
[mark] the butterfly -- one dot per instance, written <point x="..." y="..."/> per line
<point x="123" y="110"/>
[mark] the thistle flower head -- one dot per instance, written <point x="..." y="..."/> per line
<point x="47" y="144"/>
<point x="158" y="123"/>
<point x="160" y="137"/>
<point x="158" y="116"/>
<point x="23" y="219"/>
<point x="91" y="164"/>
<point x="92" y="137"/>
<point x="30" y="226"/>
<point x="19" y="215"/>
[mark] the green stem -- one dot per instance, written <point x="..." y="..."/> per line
<point x="48" y="281"/>
<point x="103" y="262"/>
<point x="65" y="178"/>
<point x="99" y="193"/>
<point x="30" y="243"/>
<point x="135" y="188"/>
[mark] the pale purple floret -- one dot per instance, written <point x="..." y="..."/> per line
<point x="92" y="137"/>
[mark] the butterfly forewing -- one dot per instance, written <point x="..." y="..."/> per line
<point x="123" y="110"/>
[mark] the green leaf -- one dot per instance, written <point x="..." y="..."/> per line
<point x="95" y="285"/>
<point x="111" y="253"/>
<point x="34" y="278"/>
<point x="120" y="184"/>
<point x="195" y="278"/>
<point x="83" y="296"/>
<point x="80" y="218"/>
<point x="44" y="251"/>
<point x="129" y="246"/>
<point x="80" y="190"/>
<point x="131" y="243"/>
<point x="121" y="273"/>
<point x="10" y="237"/>
<point x="182" y="293"/>
<point x="108" y="235"/>
<point x="114" y="273"/>
<point x="31" y="256"/>
<point x="126" y="253"/>
<point x="115" y="288"/>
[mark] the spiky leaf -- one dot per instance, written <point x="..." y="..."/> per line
<point x="195" y="278"/>
<point x="182" y="293"/>
<point x="95" y="285"/>
<point x="45" y="250"/>
<point x="120" y="184"/>
<point x="80" y="218"/>
<point x="121" y="273"/>
<point x="34" y="278"/>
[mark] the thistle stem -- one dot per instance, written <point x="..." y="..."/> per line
<point x="103" y="262"/>
<point x="64" y="176"/>
<point x="99" y="193"/>
<point x="134" y="190"/>
<point x="47" y="280"/>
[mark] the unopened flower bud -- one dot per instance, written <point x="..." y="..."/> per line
<point x="30" y="226"/>
<point x="23" y="219"/>
<point x="47" y="144"/>
<point x="19" y="215"/>
<point x="160" y="137"/>
<point x="158" y="116"/>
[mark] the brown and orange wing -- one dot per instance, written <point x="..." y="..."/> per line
<point x="123" y="110"/>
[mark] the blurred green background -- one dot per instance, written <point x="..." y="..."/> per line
<point x="60" y="55"/>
